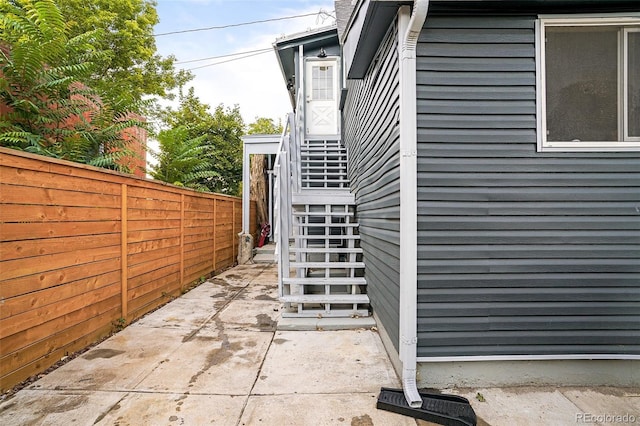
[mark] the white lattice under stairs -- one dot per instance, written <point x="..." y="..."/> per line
<point x="323" y="164"/>
<point x="329" y="272"/>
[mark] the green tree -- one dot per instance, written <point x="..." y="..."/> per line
<point x="222" y="130"/>
<point x="50" y="110"/>
<point x="264" y="126"/>
<point x="131" y="68"/>
<point x="181" y="160"/>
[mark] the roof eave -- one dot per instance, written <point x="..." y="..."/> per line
<point x="365" y="30"/>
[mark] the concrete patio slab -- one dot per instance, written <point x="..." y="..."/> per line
<point x="298" y="362"/>
<point x="250" y="315"/>
<point x="118" y="363"/>
<point x="226" y="362"/>
<point x="262" y="292"/>
<point x="182" y="313"/>
<point x="522" y="406"/>
<point x="355" y="409"/>
<point x="175" y="409"/>
<point x="214" y="289"/>
<point x="605" y="405"/>
<point x="44" y="407"/>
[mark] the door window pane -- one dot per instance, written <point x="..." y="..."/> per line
<point x="634" y="84"/>
<point x="582" y="83"/>
<point x="322" y="82"/>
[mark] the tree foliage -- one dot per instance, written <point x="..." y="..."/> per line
<point x="131" y="67"/>
<point x="264" y="126"/>
<point x="182" y="160"/>
<point x="48" y="108"/>
<point x="221" y="130"/>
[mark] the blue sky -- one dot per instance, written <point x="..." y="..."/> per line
<point x="255" y="83"/>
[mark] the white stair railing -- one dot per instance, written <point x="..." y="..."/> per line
<point x="287" y="178"/>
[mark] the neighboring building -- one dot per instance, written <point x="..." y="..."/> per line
<point x="493" y="153"/>
<point x="136" y="137"/>
<point x="137" y="143"/>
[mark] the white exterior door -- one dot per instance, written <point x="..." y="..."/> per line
<point x="321" y="114"/>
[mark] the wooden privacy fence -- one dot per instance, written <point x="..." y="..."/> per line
<point x="83" y="248"/>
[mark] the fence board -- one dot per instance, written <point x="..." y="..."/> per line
<point x="54" y="278"/>
<point x="137" y="214"/>
<point x="35" y="265"/>
<point x="18" y="194"/>
<point x="141" y="268"/>
<point x="50" y="312"/>
<point x="33" y="300"/>
<point x="29" y="248"/>
<point x="30" y="360"/>
<point x="35" y="213"/>
<point x="33" y="230"/>
<point x="147" y="256"/>
<point x="153" y="194"/>
<point x="66" y="270"/>
<point x="45" y="330"/>
<point x="56" y="181"/>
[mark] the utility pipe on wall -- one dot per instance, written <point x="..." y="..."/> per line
<point x="409" y="27"/>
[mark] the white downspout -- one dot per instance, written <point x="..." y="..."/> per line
<point x="409" y="27"/>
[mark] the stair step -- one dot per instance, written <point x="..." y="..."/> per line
<point x="311" y="164"/>
<point x="264" y="258"/>
<point x="355" y="250"/>
<point x="315" y="196"/>
<point x="326" y="281"/>
<point x="324" y="152"/>
<point x="342" y="177"/>
<point x="325" y="225"/>
<point x="332" y="213"/>
<point x="326" y="298"/>
<point x="327" y="265"/>
<point x="317" y="147"/>
<point x="327" y="237"/>
<point x="325" y="158"/>
<point x="341" y="180"/>
<point x="320" y="142"/>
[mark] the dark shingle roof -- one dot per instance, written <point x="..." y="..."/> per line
<point x="344" y="8"/>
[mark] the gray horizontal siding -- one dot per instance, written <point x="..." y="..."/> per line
<point x="371" y="135"/>
<point x="520" y="252"/>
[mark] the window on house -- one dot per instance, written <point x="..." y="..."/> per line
<point x="589" y="84"/>
<point x="322" y="82"/>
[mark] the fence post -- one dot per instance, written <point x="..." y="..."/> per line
<point x="124" y="266"/>
<point x="215" y="224"/>
<point x="233" y="230"/>
<point x="181" y="242"/>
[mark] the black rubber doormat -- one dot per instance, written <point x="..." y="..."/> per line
<point x="449" y="410"/>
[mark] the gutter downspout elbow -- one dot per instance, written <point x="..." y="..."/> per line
<point x="409" y="28"/>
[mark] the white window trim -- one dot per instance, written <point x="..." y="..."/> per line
<point x="631" y="143"/>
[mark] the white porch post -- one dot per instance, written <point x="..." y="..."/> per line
<point x="246" y="206"/>
<point x="253" y="144"/>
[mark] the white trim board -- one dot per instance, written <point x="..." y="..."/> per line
<point x="527" y="358"/>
